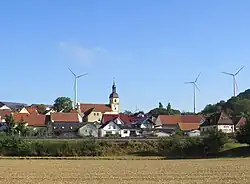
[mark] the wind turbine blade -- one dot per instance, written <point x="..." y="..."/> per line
<point x="188" y="82"/>
<point x="82" y="75"/>
<point x="239" y="70"/>
<point x="72" y="72"/>
<point x="197" y="77"/>
<point x="228" y="73"/>
<point x="197" y="87"/>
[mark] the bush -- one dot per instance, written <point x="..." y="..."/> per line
<point x="243" y="135"/>
<point x="214" y="141"/>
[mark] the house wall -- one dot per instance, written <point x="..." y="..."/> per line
<point x="109" y="128"/>
<point x="88" y="130"/>
<point x="147" y="125"/>
<point x="125" y="133"/>
<point x="223" y="128"/>
<point x="95" y="117"/>
<point x="158" y="121"/>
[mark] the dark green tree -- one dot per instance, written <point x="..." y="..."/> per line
<point x="160" y="105"/>
<point x="10" y="122"/>
<point x="63" y="104"/>
<point x="41" y="109"/>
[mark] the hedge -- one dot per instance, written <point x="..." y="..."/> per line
<point x="174" y="146"/>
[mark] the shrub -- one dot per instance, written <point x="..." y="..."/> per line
<point x="243" y="135"/>
<point x="214" y="141"/>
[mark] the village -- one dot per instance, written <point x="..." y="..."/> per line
<point x="106" y="120"/>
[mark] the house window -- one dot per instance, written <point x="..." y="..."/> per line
<point x="125" y="131"/>
<point x="97" y="114"/>
<point x="94" y="114"/>
<point x="113" y="126"/>
<point x="110" y="127"/>
<point x="115" y="100"/>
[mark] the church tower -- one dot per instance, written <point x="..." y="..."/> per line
<point x="114" y="100"/>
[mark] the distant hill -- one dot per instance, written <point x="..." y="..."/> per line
<point x="235" y="106"/>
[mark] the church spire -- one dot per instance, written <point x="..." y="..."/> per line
<point x="114" y="87"/>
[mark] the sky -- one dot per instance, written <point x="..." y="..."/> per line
<point x="150" y="48"/>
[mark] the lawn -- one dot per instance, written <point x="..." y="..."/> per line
<point x="125" y="171"/>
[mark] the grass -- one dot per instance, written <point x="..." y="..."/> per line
<point x="209" y="171"/>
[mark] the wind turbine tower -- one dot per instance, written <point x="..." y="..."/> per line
<point x="75" y="85"/>
<point x="235" y="85"/>
<point x="195" y="87"/>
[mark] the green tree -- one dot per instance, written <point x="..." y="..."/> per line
<point x="41" y="109"/>
<point x="160" y="105"/>
<point x="214" y="141"/>
<point x="10" y="122"/>
<point x="169" y="109"/>
<point x="243" y="135"/>
<point x="63" y="104"/>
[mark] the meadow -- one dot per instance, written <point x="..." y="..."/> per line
<point x="221" y="171"/>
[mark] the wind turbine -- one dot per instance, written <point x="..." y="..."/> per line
<point x="75" y="85"/>
<point x="234" y="80"/>
<point x="195" y="87"/>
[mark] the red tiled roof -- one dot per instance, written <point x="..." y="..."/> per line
<point x="174" y="119"/>
<point x="31" y="110"/>
<point x="241" y="122"/>
<point x="188" y="126"/>
<point x="97" y="107"/>
<point x="4" y="113"/>
<point x="32" y="119"/>
<point x="127" y="119"/>
<point x="64" y="117"/>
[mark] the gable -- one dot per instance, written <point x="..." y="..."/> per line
<point x="110" y="126"/>
<point x="24" y="110"/>
<point x="4" y="107"/>
<point x="224" y="119"/>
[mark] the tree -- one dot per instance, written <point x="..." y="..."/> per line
<point x="163" y="111"/>
<point x="41" y="109"/>
<point x="160" y="105"/>
<point x="215" y="140"/>
<point x="169" y="109"/>
<point x="243" y="135"/>
<point x="63" y="104"/>
<point x="10" y="122"/>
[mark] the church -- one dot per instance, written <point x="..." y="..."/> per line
<point x="94" y="112"/>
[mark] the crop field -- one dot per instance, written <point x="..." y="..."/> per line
<point x="125" y="171"/>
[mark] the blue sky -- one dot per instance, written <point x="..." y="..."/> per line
<point x="150" y="47"/>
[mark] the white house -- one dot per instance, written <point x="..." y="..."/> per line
<point x="114" y="127"/>
<point x="218" y="121"/>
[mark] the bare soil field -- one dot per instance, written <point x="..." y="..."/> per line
<point x="214" y="171"/>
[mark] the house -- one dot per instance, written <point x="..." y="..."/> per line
<point x="94" y="112"/>
<point x="187" y="127"/>
<point x="88" y="130"/>
<point x="114" y="127"/>
<point x="173" y="123"/>
<point x="34" y="121"/>
<point x="144" y="123"/>
<point x="193" y="133"/>
<point x="65" y="124"/>
<point x="218" y="121"/>
<point x="239" y="122"/>
<point x="29" y="110"/>
<point x="13" y="105"/>
<point x="3" y="114"/>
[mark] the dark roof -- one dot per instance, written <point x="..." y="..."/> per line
<point x="114" y="95"/>
<point x="126" y="119"/>
<point x="143" y="119"/>
<point x="13" y="105"/>
<point x="219" y="118"/>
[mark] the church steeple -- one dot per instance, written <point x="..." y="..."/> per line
<point x="114" y="100"/>
<point x="114" y="87"/>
